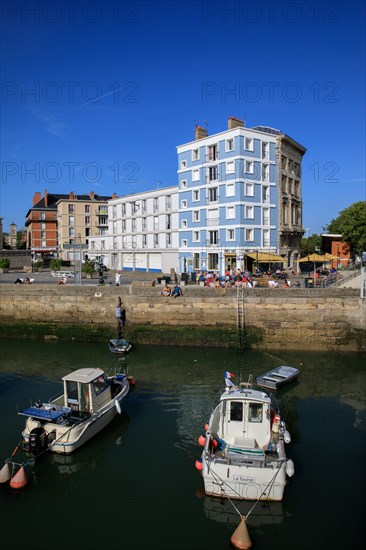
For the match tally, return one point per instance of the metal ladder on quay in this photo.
(240, 320)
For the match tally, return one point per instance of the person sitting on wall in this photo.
(165, 291)
(28, 281)
(177, 291)
(62, 281)
(18, 281)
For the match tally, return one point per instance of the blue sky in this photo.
(97, 95)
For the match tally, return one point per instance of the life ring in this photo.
(118, 406)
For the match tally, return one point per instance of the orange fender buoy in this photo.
(19, 480)
(5, 473)
(240, 538)
(202, 440)
(199, 464)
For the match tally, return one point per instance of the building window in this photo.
(266, 237)
(183, 164)
(102, 231)
(87, 208)
(184, 204)
(71, 220)
(249, 144)
(42, 215)
(43, 226)
(71, 232)
(183, 184)
(44, 243)
(123, 209)
(230, 190)
(168, 221)
(249, 189)
(230, 212)
(87, 220)
(144, 241)
(156, 240)
(249, 167)
(168, 202)
(87, 232)
(212, 152)
(144, 224)
(196, 260)
(123, 225)
(230, 167)
(213, 261)
(133, 225)
(196, 215)
(102, 244)
(266, 216)
(156, 223)
(184, 224)
(114, 211)
(103, 220)
(249, 234)
(43, 234)
(71, 208)
(265, 193)
(195, 154)
(213, 237)
(156, 204)
(195, 174)
(184, 243)
(213, 173)
(230, 234)
(143, 206)
(168, 240)
(229, 145)
(265, 150)
(195, 195)
(213, 195)
(265, 172)
(196, 236)
(249, 212)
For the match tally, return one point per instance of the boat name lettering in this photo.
(244, 479)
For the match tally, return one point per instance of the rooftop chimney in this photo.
(37, 197)
(200, 132)
(71, 196)
(46, 198)
(234, 123)
(92, 195)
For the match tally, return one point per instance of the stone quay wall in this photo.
(308, 319)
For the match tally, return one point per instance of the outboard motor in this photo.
(37, 441)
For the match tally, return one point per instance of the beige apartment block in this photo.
(80, 218)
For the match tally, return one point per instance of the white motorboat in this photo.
(243, 453)
(90, 400)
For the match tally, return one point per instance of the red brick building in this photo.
(333, 244)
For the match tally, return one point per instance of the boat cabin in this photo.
(86, 390)
(245, 417)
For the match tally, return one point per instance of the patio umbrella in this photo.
(313, 258)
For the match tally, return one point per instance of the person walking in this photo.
(118, 278)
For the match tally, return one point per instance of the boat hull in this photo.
(70, 435)
(245, 482)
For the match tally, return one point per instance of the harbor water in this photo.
(134, 486)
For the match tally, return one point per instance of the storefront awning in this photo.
(265, 257)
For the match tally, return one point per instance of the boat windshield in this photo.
(100, 384)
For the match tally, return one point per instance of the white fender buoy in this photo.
(287, 437)
(290, 467)
(118, 406)
(240, 538)
(5, 474)
(19, 480)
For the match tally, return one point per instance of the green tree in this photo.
(351, 224)
(55, 264)
(310, 244)
(88, 267)
(20, 244)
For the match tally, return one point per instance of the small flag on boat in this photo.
(228, 374)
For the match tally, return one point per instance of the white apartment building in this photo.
(142, 232)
